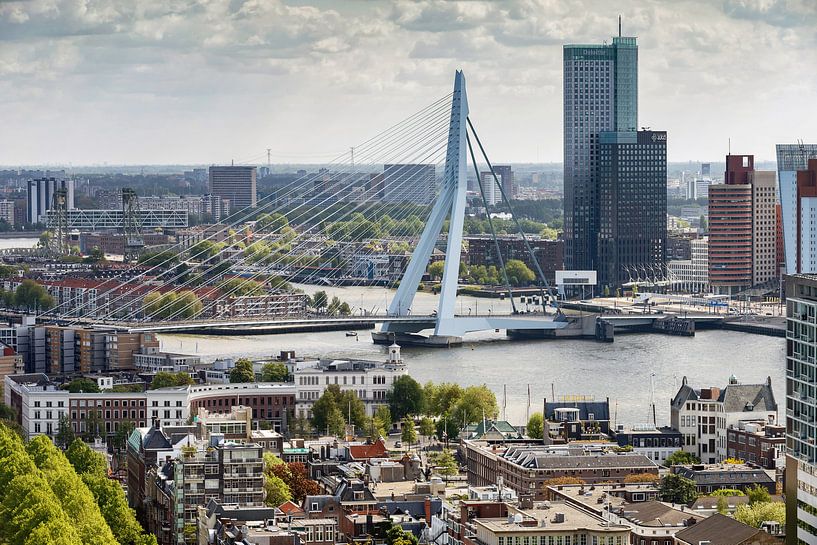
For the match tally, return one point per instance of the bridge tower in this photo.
(59, 239)
(131, 227)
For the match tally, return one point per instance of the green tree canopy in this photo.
(82, 385)
(756, 514)
(677, 489)
(427, 427)
(408, 434)
(345, 402)
(519, 274)
(383, 420)
(85, 460)
(406, 397)
(31, 295)
(758, 494)
(435, 270)
(165, 379)
(681, 458)
(536, 426)
(243, 371)
(274, 372)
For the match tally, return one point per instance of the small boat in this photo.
(351, 333)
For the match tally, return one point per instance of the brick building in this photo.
(549, 253)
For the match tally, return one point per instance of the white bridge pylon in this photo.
(451, 204)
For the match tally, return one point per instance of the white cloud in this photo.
(140, 81)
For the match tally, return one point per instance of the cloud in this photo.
(214, 76)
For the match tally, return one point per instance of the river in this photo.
(18, 242)
(620, 370)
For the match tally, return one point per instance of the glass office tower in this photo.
(600, 95)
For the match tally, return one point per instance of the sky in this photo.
(87, 82)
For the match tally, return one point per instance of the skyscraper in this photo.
(632, 206)
(801, 409)
(41, 196)
(505, 176)
(600, 95)
(792, 158)
(742, 227)
(236, 183)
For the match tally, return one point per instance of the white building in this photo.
(165, 362)
(703, 416)
(370, 380)
(691, 275)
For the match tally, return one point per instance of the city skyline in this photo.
(126, 83)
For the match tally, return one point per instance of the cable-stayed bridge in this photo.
(326, 212)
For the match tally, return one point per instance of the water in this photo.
(619, 370)
(22, 242)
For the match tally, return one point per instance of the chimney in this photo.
(428, 510)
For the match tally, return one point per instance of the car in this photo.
(398, 444)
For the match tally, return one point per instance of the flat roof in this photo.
(574, 519)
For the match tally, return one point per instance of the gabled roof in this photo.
(290, 508)
(599, 409)
(154, 439)
(738, 398)
(364, 452)
(717, 530)
(347, 489)
(492, 429)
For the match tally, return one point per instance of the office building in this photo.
(7, 211)
(600, 95)
(691, 275)
(803, 207)
(706, 170)
(632, 206)
(409, 183)
(41, 197)
(490, 189)
(792, 158)
(801, 408)
(236, 183)
(742, 227)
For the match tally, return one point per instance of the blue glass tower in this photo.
(600, 95)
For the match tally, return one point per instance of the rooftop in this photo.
(543, 518)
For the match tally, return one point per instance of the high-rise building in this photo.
(792, 158)
(409, 183)
(7, 211)
(706, 170)
(489, 187)
(236, 183)
(600, 95)
(742, 227)
(632, 206)
(801, 408)
(41, 196)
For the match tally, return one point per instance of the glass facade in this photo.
(632, 206)
(600, 94)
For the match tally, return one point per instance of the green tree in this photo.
(320, 300)
(727, 492)
(408, 434)
(274, 372)
(677, 489)
(82, 385)
(383, 420)
(435, 270)
(335, 423)
(427, 427)
(277, 491)
(65, 433)
(445, 464)
(240, 287)
(346, 402)
(120, 438)
(31, 295)
(242, 372)
(757, 513)
(703, 223)
(536, 425)
(477, 402)
(758, 494)
(85, 460)
(519, 274)
(441, 398)
(164, 259)
(397, 536)
(681, 458)
(164, 379)
(723, 505)
(406, 397)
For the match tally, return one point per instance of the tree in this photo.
(445, 464)
(677, 489)
(406, 397)
(758, 494)
(756, 514)
(397, 536)
(408, 433)
(427, 427)
(536, 426)
(441, 398)
(293, 474)
(563, 481)
(120, 438)
(722, 505)
(727, 492)
(435, 270)
(681, 458)
(274, 372)
(31, 295)
(518, 273)
(335, 423)
(382, 420)
(703, 223)
(164, 379)
(242, 372)
(642, 478)
(276, 490)
(82, 386)
(85, 460)
(320, 300)
(477, 402)
(65, 433)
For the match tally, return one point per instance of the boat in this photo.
(351, 333)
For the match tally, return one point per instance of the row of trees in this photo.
(179, 305)
(519, 274)
(320, 302)
(271, 372)
(48, 499)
